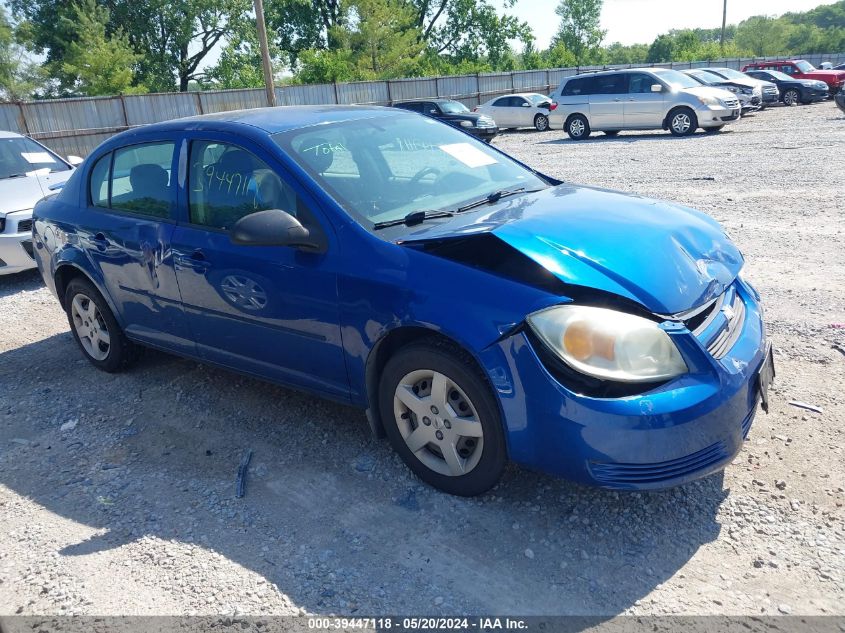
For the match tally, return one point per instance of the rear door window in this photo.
(136, 179)
(610, 84)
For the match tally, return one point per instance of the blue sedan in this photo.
(479, 311)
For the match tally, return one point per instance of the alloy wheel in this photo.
(790, 98)
(681, 123)
(90, 327)
(541, 123)
(438, 422)
(576, 127)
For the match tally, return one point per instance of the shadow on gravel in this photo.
(627, 137)
(13, 284)
(330, 516)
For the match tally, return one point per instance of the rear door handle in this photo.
(195, 261)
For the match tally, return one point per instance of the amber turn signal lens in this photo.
(582, 342)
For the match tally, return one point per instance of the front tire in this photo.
(577, 127)
(682, 122)
(442, 419)
(95, 329)
(791, 97)
(541, 123)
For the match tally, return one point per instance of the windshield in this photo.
(776, 74)
(535, 98)
(730, 73)
(382, 169)
(453, 107)
(805, 67)
(677, 80)
(20, 156)
(705, 78)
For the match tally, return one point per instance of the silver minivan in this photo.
(640, 99)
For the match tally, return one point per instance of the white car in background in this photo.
(28, 172)
(525, 109)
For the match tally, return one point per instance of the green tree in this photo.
(579, 29)
(96, 63)
(763, 35)
(173, 37)
(20, 77)
(239, 64)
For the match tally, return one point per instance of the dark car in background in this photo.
(840, 99)
(802, 69)
(793, 91)
(454, 113)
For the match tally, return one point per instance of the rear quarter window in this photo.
(580, 86)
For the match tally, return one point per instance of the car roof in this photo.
(277, 119)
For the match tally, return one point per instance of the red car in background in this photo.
(801, 69)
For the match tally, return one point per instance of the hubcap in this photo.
(542, 122)
(90, 327)
(790, 98)
(681, 123)
(576, 127)
(438, 422)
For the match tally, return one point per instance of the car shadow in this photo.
(631, 137)
(330, 516)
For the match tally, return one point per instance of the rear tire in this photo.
(682, 122)
(95, 329)
(541, 123)
(577, 127)
(442, 419)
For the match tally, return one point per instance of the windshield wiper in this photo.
(413, 218)
(493, 198)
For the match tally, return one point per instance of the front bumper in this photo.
(771, 97)
(16, 243)
(814, 94)
(484, 133)
(717, 116)
(678, 432)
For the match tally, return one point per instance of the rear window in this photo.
(578, 86)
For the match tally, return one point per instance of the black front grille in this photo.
(25, 226)
(27, 246)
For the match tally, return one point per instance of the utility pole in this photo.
(265, 53)
(724, 21)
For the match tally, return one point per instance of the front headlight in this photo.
(709, 101)
(608, 344)
(467, 124)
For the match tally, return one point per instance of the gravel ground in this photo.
(117, 492)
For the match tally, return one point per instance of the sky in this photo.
(640, 21)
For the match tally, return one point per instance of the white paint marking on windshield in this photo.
(468, 155)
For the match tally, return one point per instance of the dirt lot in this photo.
(117, 492)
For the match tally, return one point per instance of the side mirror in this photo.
(272, 228)
(656, 88)
(75, 160)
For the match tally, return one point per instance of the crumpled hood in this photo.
(17, 194)
(667, 257)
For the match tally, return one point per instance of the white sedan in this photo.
(28, 172)
(527, 109)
